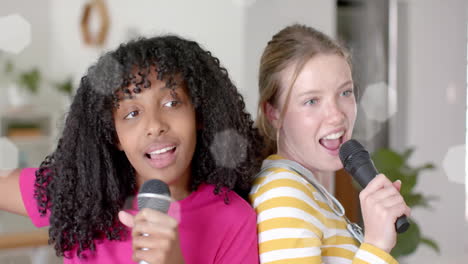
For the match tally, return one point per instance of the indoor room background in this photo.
(410, 63)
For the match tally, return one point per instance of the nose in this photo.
(156, 125)
(334, 113)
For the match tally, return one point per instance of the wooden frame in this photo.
(101, 35)
(37, 238)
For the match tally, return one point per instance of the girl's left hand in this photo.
(160, 244)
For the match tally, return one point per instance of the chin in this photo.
(335, 165)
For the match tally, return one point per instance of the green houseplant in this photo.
(395, 166)
(30, 80)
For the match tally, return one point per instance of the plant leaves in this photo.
(427, 166)
(416, 199)
(431, 243)
(407, 242)
(9, 67)
(407, 153)
(386, 159)
(394, 166)
(65, 86)
(408, 181)
(30, 80)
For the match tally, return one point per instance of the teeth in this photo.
(160, 151)
(335, 135)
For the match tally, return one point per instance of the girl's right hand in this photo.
(382, 204)
(160, 244)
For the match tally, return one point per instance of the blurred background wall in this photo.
(431, 65)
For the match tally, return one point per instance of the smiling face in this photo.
(320, 113)
(156, 129)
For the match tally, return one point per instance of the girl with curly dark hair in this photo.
(158, 108)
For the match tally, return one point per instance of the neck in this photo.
(178, 193)
(179, 189)
(323, 177)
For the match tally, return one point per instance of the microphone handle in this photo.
(361, 175)
(402, 224)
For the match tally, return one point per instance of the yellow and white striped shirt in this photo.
(295, 224)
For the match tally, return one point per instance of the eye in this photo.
(172, 103)
(347, 93)
(311, 101)
(132, 115)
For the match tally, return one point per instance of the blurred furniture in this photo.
(32, 132)
(27, 248)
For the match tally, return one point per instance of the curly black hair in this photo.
(85, 181)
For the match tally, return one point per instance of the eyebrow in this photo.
(309, 92)
(175, 86)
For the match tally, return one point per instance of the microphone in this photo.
(357, 162)
(154, 194)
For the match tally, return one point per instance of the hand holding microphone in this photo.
(383, 207)
(155, 234)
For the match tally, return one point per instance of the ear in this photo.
(272, 114)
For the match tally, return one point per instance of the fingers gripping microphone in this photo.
(357, 162)
(154, 194)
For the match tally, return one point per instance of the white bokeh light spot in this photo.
(9, 154)
(16, 33)
(229, 149)
(454, 164)
(106, 75)
(379, 102)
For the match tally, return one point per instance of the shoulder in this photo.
(28, 172)
(27, 179)
(275, 174)
(279, 176)
(278, 181)
(27, 187)
(279, 193)
(226, 203)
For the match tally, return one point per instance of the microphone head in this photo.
(155, 186)
(353, 155)
(154, 194)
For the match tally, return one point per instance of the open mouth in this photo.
(332, 142)
(162, 158)
(160, 153)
